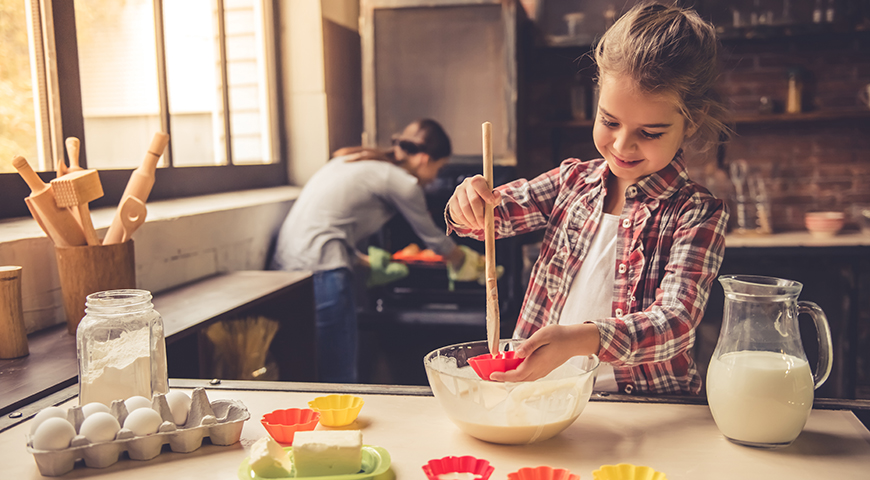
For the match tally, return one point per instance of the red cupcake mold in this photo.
(485, 364)
(282, 425)
(542, 473)
(465, 464)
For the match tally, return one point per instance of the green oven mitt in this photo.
(473, 268)
(383, 270)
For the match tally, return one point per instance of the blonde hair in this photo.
(669, 51)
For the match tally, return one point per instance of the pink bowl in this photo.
(824, 223)
(480, 468)
(282, 425)
(542, 473)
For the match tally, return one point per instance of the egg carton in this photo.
(221, 421)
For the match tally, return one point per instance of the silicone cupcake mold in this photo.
(465, 464)
(337, 410)
(627, 471)
(282, 425)
(221, 421)
(542, 473)
(485, 364)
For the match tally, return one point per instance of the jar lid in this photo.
(9, 271)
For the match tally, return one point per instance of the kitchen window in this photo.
(113, 73)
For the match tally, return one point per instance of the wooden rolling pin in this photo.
(139, 185)
(493, 326)
(59, 223)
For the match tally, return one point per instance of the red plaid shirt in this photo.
(669, 247)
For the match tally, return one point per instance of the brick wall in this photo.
(820, 163)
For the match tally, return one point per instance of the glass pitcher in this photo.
(759, 383)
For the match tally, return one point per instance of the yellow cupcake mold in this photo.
(627, 471)
(337, 410)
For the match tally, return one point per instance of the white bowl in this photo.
(508, 413)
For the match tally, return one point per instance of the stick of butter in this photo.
(327, 452)
(269, 460)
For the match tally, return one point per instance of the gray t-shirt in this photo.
(345, 203)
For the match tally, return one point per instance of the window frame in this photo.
(171, 182)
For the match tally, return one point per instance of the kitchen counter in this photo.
(796, 239)
(680, 440)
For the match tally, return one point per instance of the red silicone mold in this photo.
(542, 473)
(465, 464)
(282, 425)
(485, 364)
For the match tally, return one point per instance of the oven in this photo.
(402, 321)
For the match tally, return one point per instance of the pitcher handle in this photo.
(823, 369)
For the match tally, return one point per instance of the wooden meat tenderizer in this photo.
(59, 223)
(139, 185)
(72, 151)
(77, 189)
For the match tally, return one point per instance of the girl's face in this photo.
(637, 133)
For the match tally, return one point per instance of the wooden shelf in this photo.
(52, 364)
(821, 115)
(746, 119)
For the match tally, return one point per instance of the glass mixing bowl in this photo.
(504, 412)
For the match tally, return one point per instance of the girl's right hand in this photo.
(466, 206)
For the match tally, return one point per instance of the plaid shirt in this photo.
(669, 248)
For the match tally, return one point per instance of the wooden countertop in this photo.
(680, 440)
(796, 239)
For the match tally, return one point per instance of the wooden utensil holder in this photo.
(89, 269)
(13, 336)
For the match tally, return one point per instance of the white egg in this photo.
(179, 405)
(54, 433)
(100, 427)
(136, 402)
(143, 421)
(93, 408)
(45, 414)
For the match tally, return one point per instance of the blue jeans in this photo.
(336, 326)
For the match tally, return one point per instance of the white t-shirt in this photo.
(591, 294)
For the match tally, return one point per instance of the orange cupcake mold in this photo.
(282, 425)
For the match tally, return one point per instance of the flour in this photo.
(117, 369)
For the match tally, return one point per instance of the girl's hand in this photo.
(549, 348)
(466, 206)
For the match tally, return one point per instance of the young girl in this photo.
(631, 245)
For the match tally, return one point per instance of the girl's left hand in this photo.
(548, 348)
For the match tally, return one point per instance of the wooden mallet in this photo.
(77, 189)
(59, 223)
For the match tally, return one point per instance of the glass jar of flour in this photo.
(121, 348)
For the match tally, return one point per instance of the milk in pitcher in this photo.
(760, 397)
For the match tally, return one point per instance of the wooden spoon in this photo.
(132, 212)
(493, 326)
